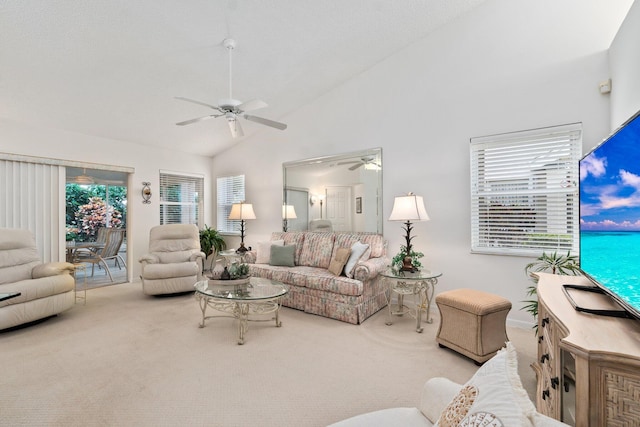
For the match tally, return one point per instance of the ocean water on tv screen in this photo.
(613, 259)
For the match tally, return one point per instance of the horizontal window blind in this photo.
(181, 198)
(524, 191)
(230, 190)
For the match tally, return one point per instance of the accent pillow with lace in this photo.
(494, 396)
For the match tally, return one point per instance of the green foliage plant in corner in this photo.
(554, 263)
(211, 242)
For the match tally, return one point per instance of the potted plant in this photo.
(398, 261)
(548, 263)
(211, 242)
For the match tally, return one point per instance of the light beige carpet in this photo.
(127, 359)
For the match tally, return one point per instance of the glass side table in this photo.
(420, 284)
(79, 267)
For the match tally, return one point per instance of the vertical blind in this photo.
(181, 198)
(230, 190)
(32, 198)
(524, 191)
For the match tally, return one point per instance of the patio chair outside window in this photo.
(113, 242)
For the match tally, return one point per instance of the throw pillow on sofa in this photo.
(339, 261)
(358, 253)
(263, 250)
(282, 255)
(494, 394)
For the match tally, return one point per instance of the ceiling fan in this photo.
(231, 108)
(84, 179)
(362, 162)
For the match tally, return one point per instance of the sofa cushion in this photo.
(168, 271)
(339, 260)
(52, 269)
(358, 253)
(317, 250)
(495, 393)
(33, 289)
(282, 255)
(376, 243)
(18, 255)
(263, 250)
(291, 238)
(174, 257)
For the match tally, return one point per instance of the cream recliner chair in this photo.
(46, 289)
(174, 261)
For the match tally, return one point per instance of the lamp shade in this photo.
(288, 212)
(242, 211)
(408, 208)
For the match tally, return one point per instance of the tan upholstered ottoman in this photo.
(472, 322)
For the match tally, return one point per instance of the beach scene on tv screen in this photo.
(610, 213)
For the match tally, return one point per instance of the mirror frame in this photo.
(328, 161)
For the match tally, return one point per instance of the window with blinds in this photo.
(524, 191)
(230, 190)
(181, 198)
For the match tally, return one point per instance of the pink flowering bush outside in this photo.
(93, 215)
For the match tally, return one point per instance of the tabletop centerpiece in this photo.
(235, 274)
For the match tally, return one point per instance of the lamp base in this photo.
(241, 249)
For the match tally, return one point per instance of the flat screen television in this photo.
(610, 216)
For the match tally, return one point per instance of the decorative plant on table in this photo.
(238, 270)
(398, 261)
(211, 242)
(554, 263)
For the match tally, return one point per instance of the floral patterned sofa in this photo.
(314, 289)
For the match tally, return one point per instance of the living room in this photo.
(502, 66)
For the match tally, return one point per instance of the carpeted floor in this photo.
(127, 359)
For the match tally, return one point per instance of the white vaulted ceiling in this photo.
(112, 68)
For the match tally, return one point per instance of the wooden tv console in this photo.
(588, 367)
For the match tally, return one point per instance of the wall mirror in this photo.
(338, 193)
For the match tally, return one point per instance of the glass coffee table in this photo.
(256, 296)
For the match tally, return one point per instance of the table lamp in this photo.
(408, 208)
(288, 212)
(242, 211)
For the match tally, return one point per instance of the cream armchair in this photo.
(174, 262)
(46, 289)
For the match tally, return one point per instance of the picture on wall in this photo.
(358, 205)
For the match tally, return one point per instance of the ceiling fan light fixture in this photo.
(232, 108)
(84, 179)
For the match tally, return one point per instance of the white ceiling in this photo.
(112, 68)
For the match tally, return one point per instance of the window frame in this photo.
(230, 189)
(524, 191)
(192, 206)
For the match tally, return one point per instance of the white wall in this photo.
(624, 59)
(53, 143)
(505, 66)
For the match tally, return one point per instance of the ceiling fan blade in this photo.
(199, 119)
(199, 103)
(356, 166)
(267, 122)
(346, 163)
(236, 129)
(254, 104)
